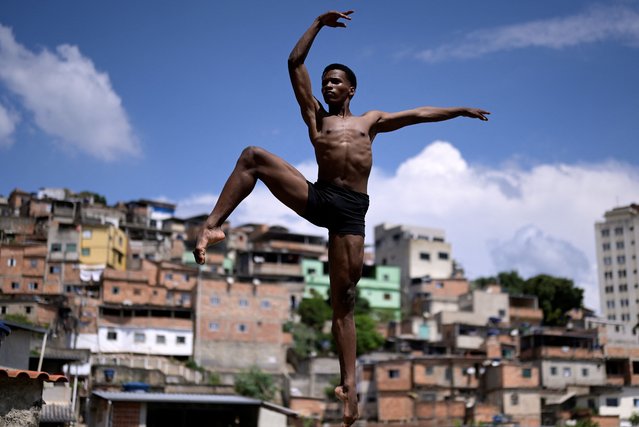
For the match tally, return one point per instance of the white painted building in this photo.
(151, 341)
(616, 239)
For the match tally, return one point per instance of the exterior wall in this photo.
(402, 245)
(395, 407)
(63, 241)
(240, 325)
(486, 304)
(106, 245)
(617, 252)
(570, 372)
(511, 376)
(126, 414)
(19, 402)
(144, 340)
(393, 376)
(628, 402)
(36, 312)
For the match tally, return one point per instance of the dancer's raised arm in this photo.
(300, 79)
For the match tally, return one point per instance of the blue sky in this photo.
(153, 99)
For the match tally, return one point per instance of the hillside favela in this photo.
(106, 320)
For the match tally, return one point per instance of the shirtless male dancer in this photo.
(338, 200)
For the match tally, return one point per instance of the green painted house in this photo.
(379, 285)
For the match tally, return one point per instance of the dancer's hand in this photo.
(476, 113)
(330, 19)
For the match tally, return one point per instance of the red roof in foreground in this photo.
(34, 375)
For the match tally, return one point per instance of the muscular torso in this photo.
(343, 151)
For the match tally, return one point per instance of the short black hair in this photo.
(349, 73)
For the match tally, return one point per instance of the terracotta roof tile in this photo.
(34, 375)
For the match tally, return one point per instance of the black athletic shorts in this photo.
(339, 209)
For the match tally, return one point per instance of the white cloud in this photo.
(593, 25)
(539, 220)
(8, 121)
(68, 98)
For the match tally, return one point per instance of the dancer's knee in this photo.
(345, 297)
(252, 156)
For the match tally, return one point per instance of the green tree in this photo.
(368, 339)
(256, 384)
(314, 312)
(634, 419)
(305, 340)
(556, 296)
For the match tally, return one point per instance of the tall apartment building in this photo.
(616, 239)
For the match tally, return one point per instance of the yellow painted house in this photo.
(103, 244)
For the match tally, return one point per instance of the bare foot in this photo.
(208, 236)
(348, 396)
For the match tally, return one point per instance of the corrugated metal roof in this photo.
(56, 413)
(220, 399)
(34, 375)
(123, 396)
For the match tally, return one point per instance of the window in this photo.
(621, 259)
(619, 245)
(28, 309)
(605, 232)
(448, 374)
(33, 286)
(266, 304)
(180, 339)
(33, 263)
(502, 312)
(86, 252)
(553, 370)
(244, 302)
(56, 247)
(606, 246)
(584, 372)
(168, 276)
(3, 310)
(215, 300)
(621, 273)
(115, 290)
(526, 373)
(608, 275)
(112, 336)
(612, 401)
(387, 297)
(429, 370)
(242, 328)
(139, 337)
(72, 247)
(214, 326)
(514, 399)
(424, 256)
(567, 372)
(618, 231)
(137, 292)
(442, 255)
(610, 304)
(635, 403)
(54, 269)
(607, 260)
(87, 234)
(11, 262)
(393, 373)
(160, 339)
(15, 285)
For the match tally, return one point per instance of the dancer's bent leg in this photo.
(285, 182)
